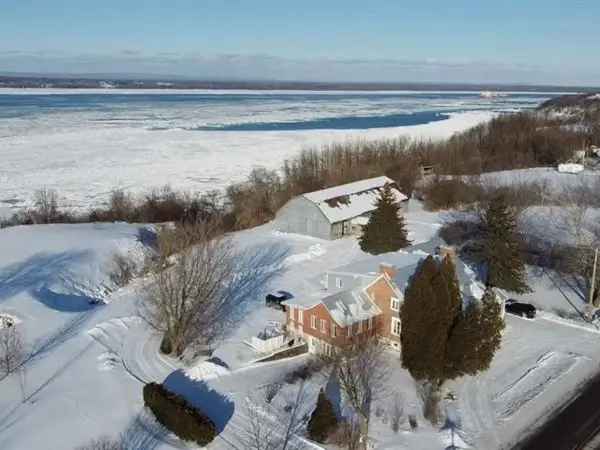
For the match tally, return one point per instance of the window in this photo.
(323, 326)
(300, 314)
(333, 330)
(395, 304)
(395, 326)
(338, 283)
(313, 322)
(359, 327)
(370, 323)
(349, 330)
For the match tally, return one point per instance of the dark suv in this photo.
(520, 309)
(274, 299)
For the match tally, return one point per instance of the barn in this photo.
(334, 212)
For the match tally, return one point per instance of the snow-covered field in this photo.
(88, 362)
(549, 178)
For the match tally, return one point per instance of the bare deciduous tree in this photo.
(46, 206)
(11, 349)
(362, 372)
(201, 284)
(271, 428)
(585, 234)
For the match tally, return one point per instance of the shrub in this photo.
(460, 231)
(396, 413)
(305, 371)
(450, 193)
(103, 443)
(122, 269)
(323, 421)
(177, 415)
(271, 390)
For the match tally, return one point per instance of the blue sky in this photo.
(528, 41)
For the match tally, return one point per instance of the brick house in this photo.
(359, 300)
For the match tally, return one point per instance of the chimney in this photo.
(444, 251)
(387, 269)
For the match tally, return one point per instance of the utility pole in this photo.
(592, 288)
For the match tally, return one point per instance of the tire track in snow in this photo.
(135, 346)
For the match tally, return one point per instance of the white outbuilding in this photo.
(334, 212)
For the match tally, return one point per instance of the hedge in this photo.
(178, 416)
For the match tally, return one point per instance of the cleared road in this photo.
(576, 427)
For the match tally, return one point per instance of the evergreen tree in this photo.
(323, 420)
(385, 231)
(501, 248)
(476, 337)
(431, 304)
(492, 325)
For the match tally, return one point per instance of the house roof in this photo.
(348, 307)
(351, 200)
(345, 307)
(405, 262)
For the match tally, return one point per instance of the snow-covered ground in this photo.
(88, 362)
(551, 179)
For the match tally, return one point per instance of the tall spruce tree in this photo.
(385, 231)
(501, 248)
(476, 337)
(431, 305)
(323, 421)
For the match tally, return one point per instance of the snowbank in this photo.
(570, 168)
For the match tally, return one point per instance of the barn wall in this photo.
(304, 217)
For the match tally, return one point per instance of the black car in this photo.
(520, 309)
(274, 299)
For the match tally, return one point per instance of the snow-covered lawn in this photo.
(89, 361)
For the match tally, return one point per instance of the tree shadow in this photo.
(36, 271)
(218, 407)
(561, 284)
(49, 342)
(147, 237)
(334, 394)
(64, 302)
(253, 270)
(143, 433)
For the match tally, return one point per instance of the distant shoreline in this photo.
(232, 91)
(155, 82)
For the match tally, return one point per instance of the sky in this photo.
(473, 41)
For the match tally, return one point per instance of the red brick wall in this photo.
(321, 313)
(381, 292)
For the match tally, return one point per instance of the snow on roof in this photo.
(402, 258)
(351, 200)
(348, 307)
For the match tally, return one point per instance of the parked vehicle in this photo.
(274, 299)
(520, 309)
